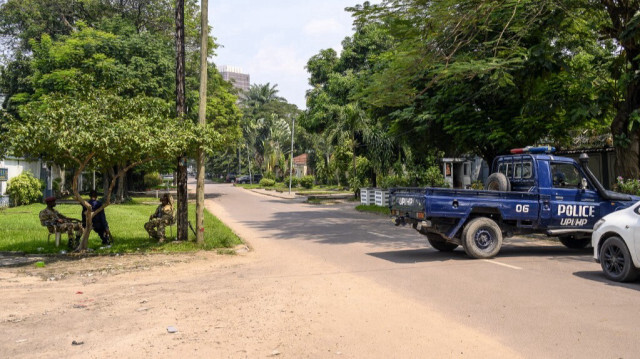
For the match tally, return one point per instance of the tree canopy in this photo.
(99, 97)
(482, 76)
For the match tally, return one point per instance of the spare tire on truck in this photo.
(497, 182)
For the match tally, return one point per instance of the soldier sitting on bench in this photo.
(57, 222)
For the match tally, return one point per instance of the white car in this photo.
(616, 244)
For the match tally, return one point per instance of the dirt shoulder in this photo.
(270, 302)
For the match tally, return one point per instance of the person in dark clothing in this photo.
(99, 221)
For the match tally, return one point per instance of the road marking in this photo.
(502, 264)
(380, 235)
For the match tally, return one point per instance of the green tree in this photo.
(63, 128)
(266, 126)
(333, 109)
(87, 109)
(484, 76)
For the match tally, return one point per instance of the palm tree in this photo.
(258, 95)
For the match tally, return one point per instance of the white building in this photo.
(12, 167)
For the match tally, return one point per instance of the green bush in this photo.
(295, 181)
(629, 186)
(24, 189)
(307, 181)
(152, 179)
(267, 182)
(393, 181)
(433, 177)
(477, 185)
(269, 175)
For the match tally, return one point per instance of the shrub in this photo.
(152, 179)
(307, 181)
(269, 175)
(24, 189)
(295, 181)
(393, 181)
(477, 185)
(629, 186)
(267, 182)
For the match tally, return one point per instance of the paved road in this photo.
(537, 298)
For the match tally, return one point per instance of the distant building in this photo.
(300, 167)
(234, 75)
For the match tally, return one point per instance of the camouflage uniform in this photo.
(49, 216)
(162, 217)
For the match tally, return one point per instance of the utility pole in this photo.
(293, 129)
(202, 116)
(249, 165)
(181, 171)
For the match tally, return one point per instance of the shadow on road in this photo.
(17, 260)
(212, 195)
(341, 224)
(428, 254)
(333, 224)
(425, 255)
(598, 276)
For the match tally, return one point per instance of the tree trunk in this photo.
(105, 182)
(181, 172)
(121, 184)
(624, 127)
(627, 145)
(202, 114)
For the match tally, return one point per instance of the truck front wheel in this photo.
(575, 243)
(481, 238)
(439, 243)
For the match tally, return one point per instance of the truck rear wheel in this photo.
(481, 238)
(497, 182)
(439, 243)
(575, 243)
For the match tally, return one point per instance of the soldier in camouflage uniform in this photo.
(162, 217)
(56, 222)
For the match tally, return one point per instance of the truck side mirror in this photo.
(583, 184)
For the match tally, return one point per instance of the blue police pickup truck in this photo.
(526, 193)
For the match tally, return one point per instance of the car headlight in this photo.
(598, 224)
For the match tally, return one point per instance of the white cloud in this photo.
(278, 59)
(320, 27)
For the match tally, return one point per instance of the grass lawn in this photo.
(20, 230)
(374, 209)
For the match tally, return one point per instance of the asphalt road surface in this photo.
(536, 299)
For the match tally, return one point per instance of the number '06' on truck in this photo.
(526, 193)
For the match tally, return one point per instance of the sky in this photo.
(273, 40)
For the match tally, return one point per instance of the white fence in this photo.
(377, 196)
(382, 197)
(367, 195)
